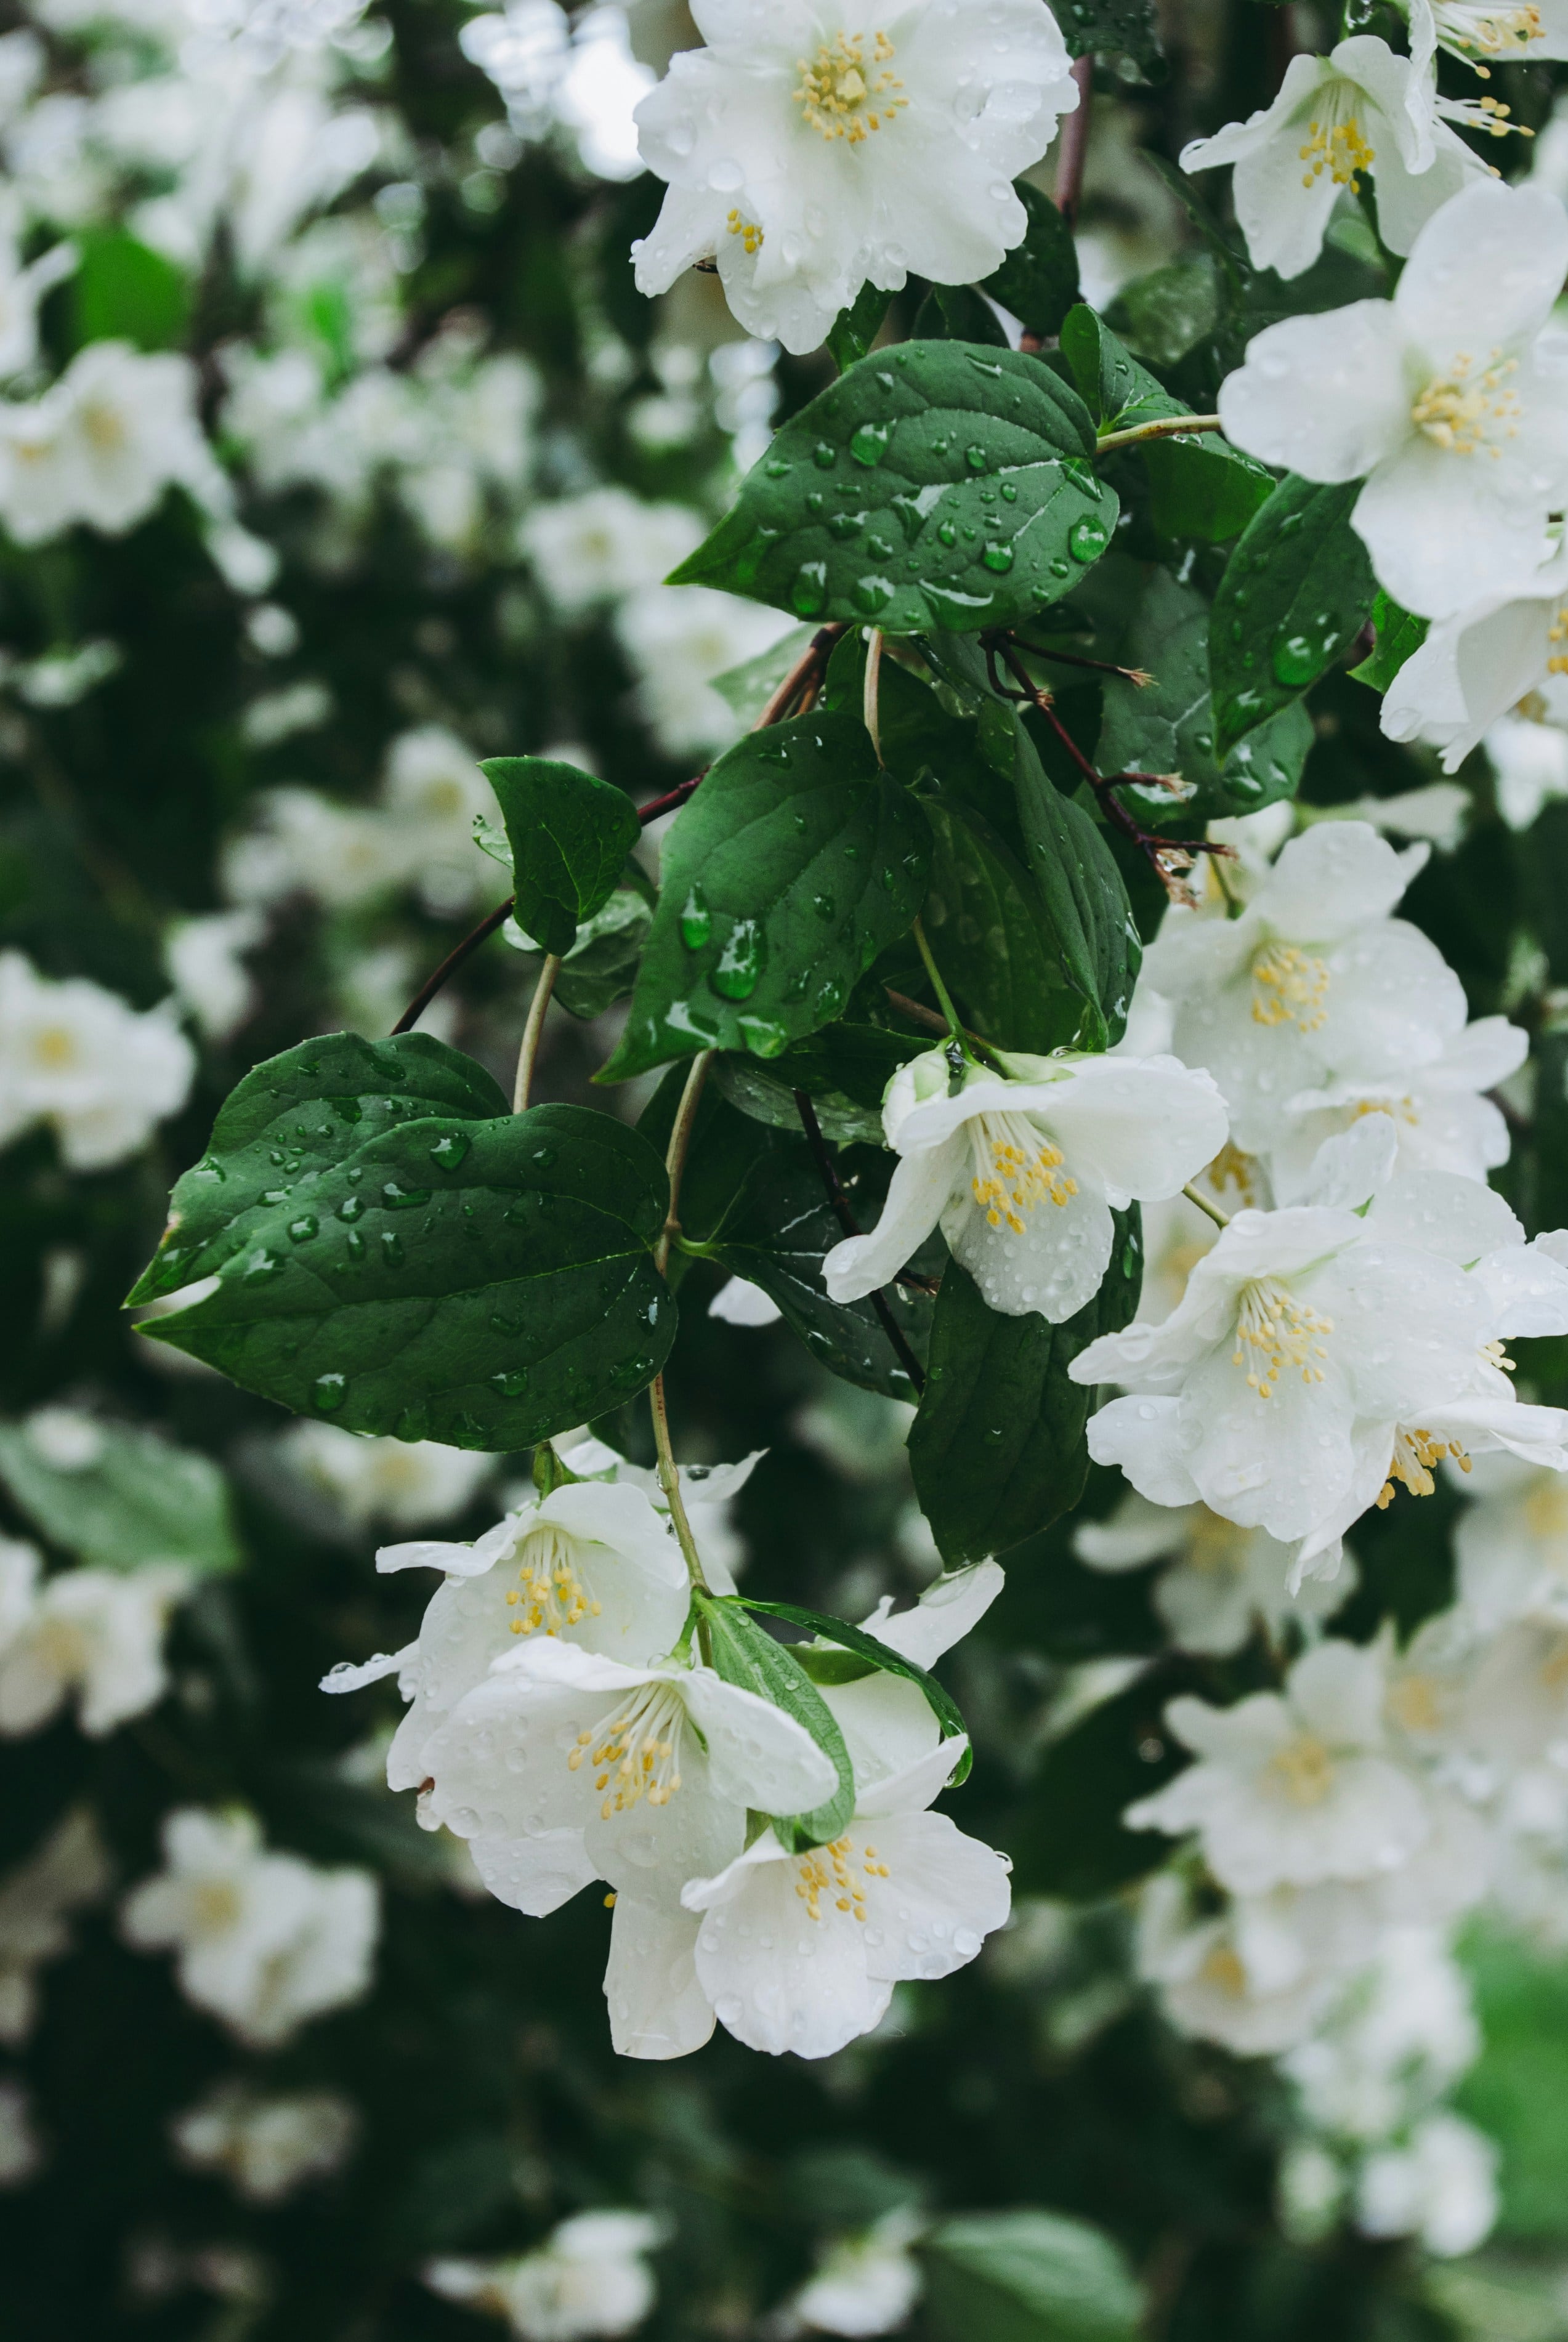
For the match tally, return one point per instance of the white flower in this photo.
(1359, 110)
(21, 2148)
(564, 1765)
(816, 144)
(1401, 2031)
(94, 1633)
(263, 1941)
(1516, 1706)
(1477, 666)
(304, 844)
(678, 638)
(1314, 980)
(1230, 1977)
(862, 2285)
(708, 1492)
(595, 547)
(1439, 398)
(739, 1302)
(267, 2146)
(117, 429)
(69, 1871)
(1528, 752)
(589, 2278)
(410, 1483)
(1292, 1788)
(1319, 1356)
(1022, 1173)
(800, 1952)
(1222, 1581)
(1512, 1542)
(76, 1057)
(205, 958)
(1508, 31)
(1442, 1119)
(432, 793)
(596, 1564)
(1440, 2186)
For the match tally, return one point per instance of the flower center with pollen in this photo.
(1495, 32)
(750, 234)
(1016, 1167)
(550, 1593)
(1275, 1330)
(1304, 1769)
(637, 1754)
(1415, 1454)
(830, 1870)
(843, 94)
(1469, 408)
(1335, 142)
(1289, 987)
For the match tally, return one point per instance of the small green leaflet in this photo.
(1038, 281)
(1168, 725)
(484, 1284)
(942, 1703)
(118, 1498)
(1296, 592)
(854, 330)
(935, 483)
(570, 835)
(602, 965)
(795, 863)
(1028, 2276)
(1399, 636)
(997, 1448)
(298, 1114)
(745, 1653)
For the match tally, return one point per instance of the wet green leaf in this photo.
(570, 835)
(1296, 592)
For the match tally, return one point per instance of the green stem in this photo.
(531, 1032)
(670, 1481)
(1165, 426)
(669, 1477)
(1221, 1219)
(943, 994)
(873, 689)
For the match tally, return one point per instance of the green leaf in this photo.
(1296, 592)
(936, 484)
(854, 330)
(795, 863)
(1200, 486)
(133, 1498)
(602, 965)
(747, 688)
(844, 1071)
(1028, 2276)
(1400, 635)
(997, 1448)
(957, 313)
(1168, 725)
(485, 1284)
(1089, 920)
(1038, 281)
(1161, 316)
(1127, 28)
(298, 1114)
(570, 835)
(745, 1653)
(991, 935)
(124, 291)
(1070, 1840)
(846, 1638)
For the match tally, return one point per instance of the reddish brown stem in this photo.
(1075, 144)
(450, 966)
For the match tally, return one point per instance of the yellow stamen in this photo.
(1340, 150)
(1468, 408)
(1305, 1767)
(748, 231)
(1017, 1169)
(1289, 987)
(1416, 1455)
(843, 96)
(1275, 1330)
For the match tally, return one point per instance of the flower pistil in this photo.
(843, 96)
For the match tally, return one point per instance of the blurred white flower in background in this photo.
(1222, 1582)
(204, 958)
(1439, 2185)
(406, 1483)
(263, 1941)
(98, 1072)
(678, 638)
(266, 2146)
(102, 446)
(69, 1872)
(597, 546)
(94, 1635)
(590, 2277)
(863, 2285)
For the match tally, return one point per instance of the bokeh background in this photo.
(337, 451)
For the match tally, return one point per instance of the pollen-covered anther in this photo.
(1470, 407)
(1275, 1330)
(1289, 987)
(1494, 32)
(825, 1870)
(1416, 1455)
(750, 234)
(637, 1754)
(550, 1594)
(841, 92)
(1018, 1169)
(1340, 150)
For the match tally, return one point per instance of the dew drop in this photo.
(696, 921)
(450, 1150)
(998, 557)
(808, 594)
(740, 965)
(976, 458)
(329, 1391)
(869, 444)
(1295, 661)
(1087, 538)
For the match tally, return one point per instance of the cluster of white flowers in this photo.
(590, 2276)
(74, 1057)
(409, 1484)
(563, 1724)
(263, 1941)
(266, 2146)
(94, 1635)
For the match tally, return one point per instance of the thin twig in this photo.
(1221, 1219)
(1138, 676)
(450, 966)
(1074, 142)
(805, 673)
(873, 687)
(670, 800)
(843, 1211)
(670, 1482)
(935, 1023)
(1165, 426)
(676, 1152)
(531, 1032)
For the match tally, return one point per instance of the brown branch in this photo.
(450, 966)
(844, 1212)
(1068, 185)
